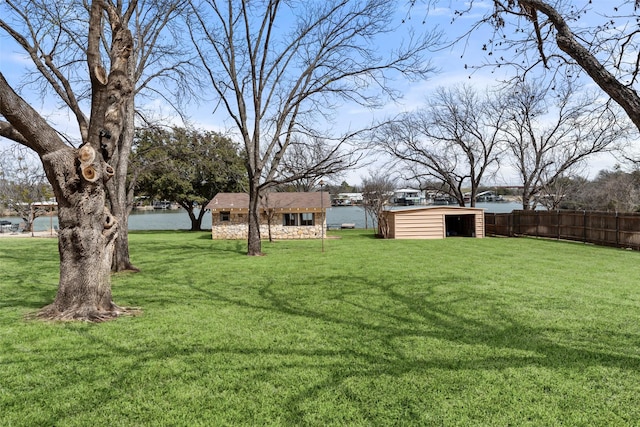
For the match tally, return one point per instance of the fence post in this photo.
(617, 230)
(558, 223)
(584, 226)
(487, 223)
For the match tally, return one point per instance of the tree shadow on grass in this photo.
(180, 250)
(504, 341)
(25, 277)
(362, 331)
(27, 294)
(426, 316)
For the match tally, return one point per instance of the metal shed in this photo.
(435, 222)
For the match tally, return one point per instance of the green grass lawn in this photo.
(465, 332)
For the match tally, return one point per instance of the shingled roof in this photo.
(273, 200)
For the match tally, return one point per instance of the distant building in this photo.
(288, 215)
(347, 199)
(409, 197)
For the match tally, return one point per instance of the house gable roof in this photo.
(272, 200)
(226, 201)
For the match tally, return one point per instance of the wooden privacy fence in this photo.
(600, 228)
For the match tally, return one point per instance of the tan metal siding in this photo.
(417, 225)
(480, 224)
(429, 223)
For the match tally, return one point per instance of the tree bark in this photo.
(120, 198)
(254, 242)
(85, 241)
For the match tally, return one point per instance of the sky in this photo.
(450, 63)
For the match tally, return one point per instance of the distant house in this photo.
(484, 196)
(288, 215)
(347, 199)
(409, 197)
(435, 222)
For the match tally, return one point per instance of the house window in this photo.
(289, 219)
(225, 216)
(306, 218)
(293, 219)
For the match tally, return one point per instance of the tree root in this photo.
(83, 314)
(127, 268)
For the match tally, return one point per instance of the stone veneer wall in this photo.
(239, 231)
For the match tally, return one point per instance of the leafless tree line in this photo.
(613, 190)
(462, 138)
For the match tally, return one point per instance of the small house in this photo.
(282, 215)
(435, 222)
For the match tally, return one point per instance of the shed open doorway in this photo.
(460, 225)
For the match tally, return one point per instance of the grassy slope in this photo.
(372, 332)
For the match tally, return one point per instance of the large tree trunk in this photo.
(87, 229)
(196, 220)
(86, 237)
(526, 199)
(254, 243)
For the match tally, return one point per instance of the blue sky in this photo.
(450, 62)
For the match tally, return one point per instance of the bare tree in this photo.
(269, 211)
(560, 194)
(616, 81)
(303, 157)
(280, 69)
(78, 176)
(611, 190)
(54, 35)
(377, 189)
(454, 141)
(551, 132)
(23, 184)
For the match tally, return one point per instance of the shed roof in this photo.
(433, 208)
(272, 200)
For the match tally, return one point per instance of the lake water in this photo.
(179, 220)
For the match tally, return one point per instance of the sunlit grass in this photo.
(370, 332)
